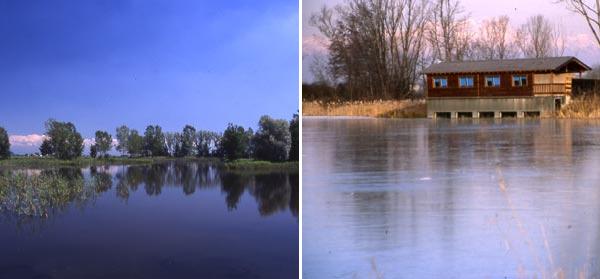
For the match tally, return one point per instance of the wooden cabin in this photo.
(500, 88)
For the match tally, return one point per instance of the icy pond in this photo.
(422, 198)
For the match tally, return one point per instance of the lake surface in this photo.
(171, 220)
(451, 198)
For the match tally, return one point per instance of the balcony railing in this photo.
(552, 88)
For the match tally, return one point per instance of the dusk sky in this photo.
(579, 39)
(100, 64)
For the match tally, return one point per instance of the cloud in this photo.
(89, 142)
(27, 140)
(314, 44)
(35, 140)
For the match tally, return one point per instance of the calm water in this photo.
(451, 199)
(174, 220)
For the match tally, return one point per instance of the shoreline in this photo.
(584, 107)
(377, 109)
(17, 162)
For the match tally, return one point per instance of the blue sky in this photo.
(104, 63)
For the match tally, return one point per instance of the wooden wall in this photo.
(479, 89)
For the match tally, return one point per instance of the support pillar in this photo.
(497, 114)
(453, 114)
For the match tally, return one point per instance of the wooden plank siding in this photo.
(506, 89)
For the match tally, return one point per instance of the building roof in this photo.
(549, 64)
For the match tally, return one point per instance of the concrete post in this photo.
(475, 114)
(497, 114)
(453, 114)
(520, 114)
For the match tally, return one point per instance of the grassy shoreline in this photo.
(48, 162)
(255, 165)
(382, 109)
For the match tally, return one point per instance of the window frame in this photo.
(433, 79)
(472, 78)
(520, 80)
(493, 76)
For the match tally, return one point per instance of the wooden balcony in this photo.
(552, 88)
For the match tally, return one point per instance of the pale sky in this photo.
(580, 41)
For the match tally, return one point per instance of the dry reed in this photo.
(584, 107)
(387, 109)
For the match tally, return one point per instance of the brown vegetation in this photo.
(585, 106)
(387, 109)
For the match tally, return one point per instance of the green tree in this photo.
(46, 147)
(234, 143)
(177, 148)
(135, 143)
(206, 142)
(250, 146)
(123, 138)
(294, 148)
(272, 141)
(93, 151)
(103, 142)
(217, 150)
(154, 141)
(4, 144)
(66, 142)
(188, 137)
(170, 143)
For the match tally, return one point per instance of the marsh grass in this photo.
(37, 195)
(381, 108)
(584, 107)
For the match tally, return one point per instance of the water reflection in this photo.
(41, 194)
(173, 220)
(464, 199)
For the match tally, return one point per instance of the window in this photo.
(465, 81)
(520, 80)
(492, 81)
(440, 82)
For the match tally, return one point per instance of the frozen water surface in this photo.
(422, 198)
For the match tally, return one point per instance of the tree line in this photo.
(377, 49)
(276, 140)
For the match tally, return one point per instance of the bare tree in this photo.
(493, 41)
(536, 38)
(558, 41)
(594, 73)
(590, 12)
(448, 32)
(321, 71)
(374, 46)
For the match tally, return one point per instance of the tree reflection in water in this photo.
(34, 194)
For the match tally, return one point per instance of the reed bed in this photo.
(38, 194)
(380, 108)
(584, 107)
